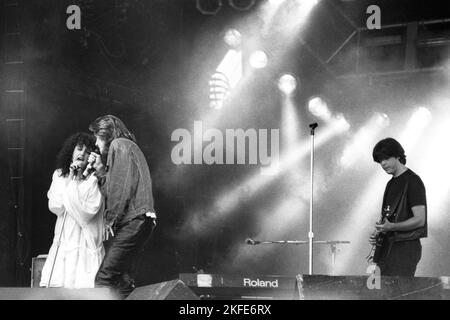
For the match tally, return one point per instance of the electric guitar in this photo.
(382, 242)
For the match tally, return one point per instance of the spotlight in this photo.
(287, 84)
(304, 8)
(319, 108)
(341, 122)
(226, 77)
(423, 113)
(219, 89)
(308, 3)
(363, 140)
(258, 59)
(382, 119)
(233, 38)
(414, 127)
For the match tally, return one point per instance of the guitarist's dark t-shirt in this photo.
(415, 194)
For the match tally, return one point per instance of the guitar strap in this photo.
(401, 199)
(398, 200)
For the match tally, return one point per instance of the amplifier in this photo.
(37, 263)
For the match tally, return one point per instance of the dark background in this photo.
(148, 62)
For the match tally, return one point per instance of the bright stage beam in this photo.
(305, 7)
(362, 142)
(267, 13)
(290, 123)
(275, 224)
(230, 199)
(224, 80)
(295, 14)
(413, 131)
(285, 16)
(358, 225)
(435, 178)
(437, 185)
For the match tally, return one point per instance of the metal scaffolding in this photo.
(14, 98)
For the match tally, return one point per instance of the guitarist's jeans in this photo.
(402, 259)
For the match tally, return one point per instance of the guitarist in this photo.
(404, 213)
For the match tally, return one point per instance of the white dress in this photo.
(81, 249)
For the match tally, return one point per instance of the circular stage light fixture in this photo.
(258, 59)
(319, 108)
(382, 119)
(233, 38)
(423, 113)
(287, 84)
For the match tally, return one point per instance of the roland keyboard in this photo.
(218, 286)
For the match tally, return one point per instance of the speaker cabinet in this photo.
(37, 264)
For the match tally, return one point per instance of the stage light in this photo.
(414, 127)
(319, 108)
(226, 77)
(420, 117)
(307, 5)
(423, 113)
(231, 198)
(289, 123)
(363, 140)
(231, 67)
(341, 122)
(287, 84)
(267, 13)
(382, 120)
(301, 9)
(258, 59)
(233, 38)
(219, 89)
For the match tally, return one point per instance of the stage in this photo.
(258, 121)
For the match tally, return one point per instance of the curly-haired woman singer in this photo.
(74, 197)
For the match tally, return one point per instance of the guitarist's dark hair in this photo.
(388, 148)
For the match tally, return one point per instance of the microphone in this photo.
(89, 169)
(313, 125)
(250, 241)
